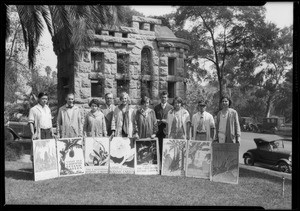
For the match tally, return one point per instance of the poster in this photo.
(174, 155)
(122, 153)
(96, 155)
(44, 159)
(70, 156)
(198, 159)
(225, 163)
(146, 157)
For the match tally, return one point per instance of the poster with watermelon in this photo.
(96, 154)
(225, 163)
(122, 153)
(147, 157)
(174, 155)
(70, 156)
(44, 159)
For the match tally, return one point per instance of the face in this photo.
(124, 100)
(177, 105)
(164, 99)
(146, 105)
(43, 100)
(201, 108)
(109, 99)
(225, 103)
(70, 100)
(94, 107)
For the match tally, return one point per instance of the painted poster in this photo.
(122, 153)
(44, 159)
(70, 156)
(174, 155)
(146, 157)
(96, 154)
(198, 159)
(225, 163)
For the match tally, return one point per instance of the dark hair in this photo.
(178, 99)
(164, 93)
(144, 100)
(226, 97)
(42, 94)
(94, 101)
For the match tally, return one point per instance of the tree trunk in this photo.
(269, 106)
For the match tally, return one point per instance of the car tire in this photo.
(284, 167)
(248, 160)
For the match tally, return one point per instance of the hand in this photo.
(113, 134)
(136, 136)
(164, 121)
(54, 136)
(34, 136)
(153, 136)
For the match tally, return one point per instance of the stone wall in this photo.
(109, 42)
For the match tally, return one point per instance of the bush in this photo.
(13, 151)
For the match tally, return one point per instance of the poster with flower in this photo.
(96, 154)
(70, 156)
(198, 159)
(44, 159)
(225, 163)
(122, 153)
(147, 157)
(174, 155)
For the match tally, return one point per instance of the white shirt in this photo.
(163, 105)
(40, 116)
(208, 123)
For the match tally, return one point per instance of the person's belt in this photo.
(45, 129)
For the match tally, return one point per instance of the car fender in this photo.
(248, 153)
(16, 136)
(284, 160)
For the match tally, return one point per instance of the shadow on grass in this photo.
(23, 174)
(245, 173)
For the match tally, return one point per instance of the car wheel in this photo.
(248, 160)
(284, 167)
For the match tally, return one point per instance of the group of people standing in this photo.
(164, 121)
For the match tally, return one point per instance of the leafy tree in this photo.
(69, 22)
(222, 31)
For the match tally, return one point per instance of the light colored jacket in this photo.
(94, 124)
(128, 123)
(233, 129)
(184, 120)
(69, 126)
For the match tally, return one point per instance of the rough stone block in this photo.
(110, 58)
(86, 56)
(118, 34)
(84, 67)
(146, 26)
(172, 49)
(86, 83)
(117, 45)
(163, 71)
(109, 83)
(106, 33)
(135, 60)
(135, 25)
(163, 61)
(161, 48)
(104, 44)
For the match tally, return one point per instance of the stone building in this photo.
(144, 58)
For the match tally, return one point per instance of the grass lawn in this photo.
(254, 189)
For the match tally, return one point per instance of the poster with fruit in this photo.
(174, 155)
(122, 153)
(96, 154)
(225, 163)
(147, 157)
(198, 159)
(44, 159)
(70, 156)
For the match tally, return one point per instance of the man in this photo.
(69, 122)
(203, 124)
(40, 119)
(108, 111)
(161, 112)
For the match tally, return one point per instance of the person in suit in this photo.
(69, 121)
(161, 111)
(108, 111)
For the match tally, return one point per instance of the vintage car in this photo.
(277, 153)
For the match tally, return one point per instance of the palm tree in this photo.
(70, 22)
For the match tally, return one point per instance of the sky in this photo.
(280, 13)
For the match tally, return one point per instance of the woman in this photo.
(227, 123)
(178, 121)
(145, 120)
(124, 117)
(94, 123)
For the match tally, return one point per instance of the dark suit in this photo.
(161, 114)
